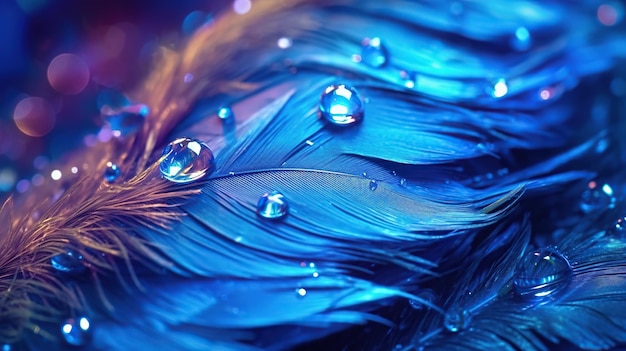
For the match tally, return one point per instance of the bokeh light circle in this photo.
(34, 116)
(68, 74)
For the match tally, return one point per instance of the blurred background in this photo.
(63, 61)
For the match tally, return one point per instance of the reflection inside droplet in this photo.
(186, 160)
(111, 172)
(541, 273)
(272, 205)
(341, 105)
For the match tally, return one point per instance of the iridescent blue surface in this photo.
(341, 105)
(272, 205)
(541, 273)
(76, 331)
(186, 160)
(373, 52)
(68, 262)
(111, 172)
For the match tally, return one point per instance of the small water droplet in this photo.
(310, 143)
(409, 79)
(188, 78)
(403, 181)
(284, 43)
(126, 120)
(301, 292)
(597, 197)
(68, 262)
(499, 88)
(620, 225)
(373, 185)
(373, 52)
(272, 205)
(341, 105)
(456, 319)
(541, 273)
(111, 172)
(225, 113)
(185, 160)
(315, 274)
(521, 40)
(427, 296)
(76, 331)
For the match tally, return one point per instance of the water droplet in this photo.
(403, 181)
(341, 105)
(195, 20)
(68, 262)
(188, 78)
(112, 172)
(272, 205)
(126, 120)
(456, 319)
(409, 79)
(76, 331)
(185, 160)
(225, 113)
(597, 197)
(284, 43)
(427, 296)
(373, 185)
(521, 41)
(373, 52)
(541, 273)
(620, 225)
(301, 292)
(500, 88)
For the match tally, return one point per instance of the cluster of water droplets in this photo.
(596, 197)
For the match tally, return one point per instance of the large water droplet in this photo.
(456, 319)
(541, 273)
(76, 331)
(126, 120)
(341, 105)
(272, 206)
(597, 197)
(68, 262)
(186, 160)
(112, 172)
(373, 52)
